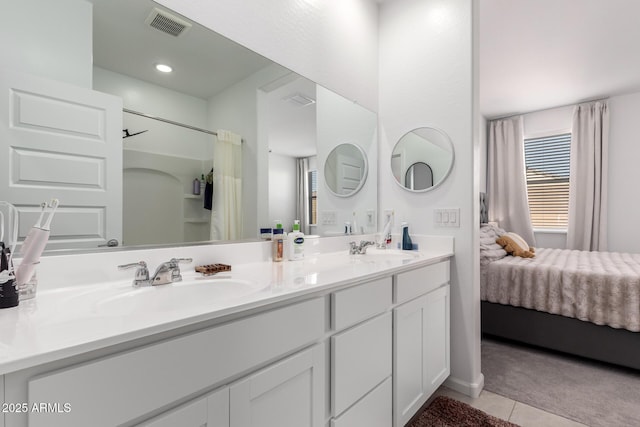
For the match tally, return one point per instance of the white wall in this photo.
(161, 138)
(333, 43)
(427, 79)
(624, 156)
(49, 39)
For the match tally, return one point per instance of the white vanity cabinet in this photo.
(125, 387)
(288, 393)
(361, 355)
(421, 338)
(358, 354)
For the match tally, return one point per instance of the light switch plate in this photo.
(449, 217)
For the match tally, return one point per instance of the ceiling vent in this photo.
(299, 100)
(167, 23)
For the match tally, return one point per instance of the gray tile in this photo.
(528, 416)
(491, 403)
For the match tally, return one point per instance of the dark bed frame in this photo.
(573, 336)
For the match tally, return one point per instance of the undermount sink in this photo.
(194, 294)
(391, 253)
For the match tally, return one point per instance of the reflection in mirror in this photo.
(345, 170)
(419, 176)
(282, 120)
(422, 159)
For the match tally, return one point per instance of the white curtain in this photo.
(588, 177)
(302, 193)
(506, 178)
(226, 215)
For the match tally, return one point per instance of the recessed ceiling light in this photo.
(164, 68)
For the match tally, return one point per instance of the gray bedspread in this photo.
(598, 287)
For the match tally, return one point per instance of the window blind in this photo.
(547, 163)
(313, 197)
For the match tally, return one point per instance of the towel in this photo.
(208, 191)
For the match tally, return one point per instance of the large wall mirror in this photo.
(283, 125)
(422, 159)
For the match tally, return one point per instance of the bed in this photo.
(579, 302)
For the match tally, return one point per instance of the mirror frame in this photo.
(364, 175)
(445, 139)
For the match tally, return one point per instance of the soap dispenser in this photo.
(278, 242)
(407, 245)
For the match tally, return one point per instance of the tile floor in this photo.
(510, 410)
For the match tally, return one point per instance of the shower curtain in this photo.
(226, 218)
(302, 193)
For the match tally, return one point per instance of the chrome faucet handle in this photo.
(364, 244)
(169, 272)
(353, 248)
(176, 276)
(142, 273)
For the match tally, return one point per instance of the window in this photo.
(313, 197)
(547, 163)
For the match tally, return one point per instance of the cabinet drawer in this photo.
(420, 281)
(372, 411)
(359, 303)
(360, 359)
(129, 385)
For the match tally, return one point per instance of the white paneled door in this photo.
(62, 141)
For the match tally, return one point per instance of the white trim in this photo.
(469, 389)
(549, 231)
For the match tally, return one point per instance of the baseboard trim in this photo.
(469, 389)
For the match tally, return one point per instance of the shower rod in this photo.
(171, 122)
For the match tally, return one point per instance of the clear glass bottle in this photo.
(278, 244)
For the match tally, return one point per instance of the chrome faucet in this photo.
(167, 272)
(360, 249)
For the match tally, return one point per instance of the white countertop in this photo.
(67, 321)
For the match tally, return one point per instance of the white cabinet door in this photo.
(289, 393)
(421, 351)
(437, 361)
(63, 141)
(192, 414)
(207, 411)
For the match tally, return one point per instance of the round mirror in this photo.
(422, 159)
(345, 170)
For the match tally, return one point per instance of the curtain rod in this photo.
(545, 109)
(171, 122)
